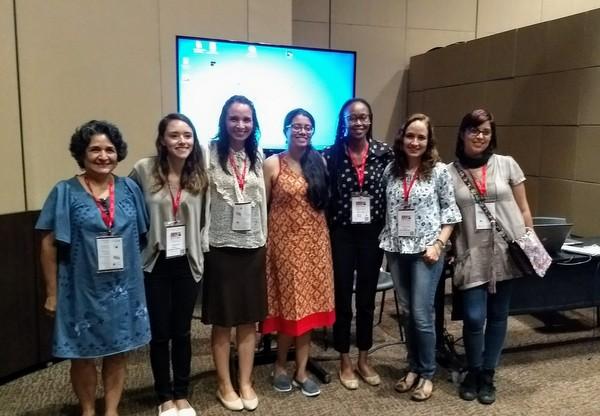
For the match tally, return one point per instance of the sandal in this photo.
(407, 382)
(423, 391)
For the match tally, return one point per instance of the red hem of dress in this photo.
(299, 327)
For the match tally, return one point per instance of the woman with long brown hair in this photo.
(420, 215)
(175, 184)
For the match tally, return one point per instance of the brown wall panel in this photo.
(586, 200)
(19, 309)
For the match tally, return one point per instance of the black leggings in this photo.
(171, 293)
(355, 247)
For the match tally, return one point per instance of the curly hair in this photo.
(222, 137)
(429, 158)
(80, 140)
(193, 176)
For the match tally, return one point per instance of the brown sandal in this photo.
(407, 382)
(423, 390)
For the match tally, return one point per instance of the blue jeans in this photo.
(415, 282)
(483, 348)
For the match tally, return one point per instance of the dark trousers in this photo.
(171, 293)
(355, 248)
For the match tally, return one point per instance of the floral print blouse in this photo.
(434, 205)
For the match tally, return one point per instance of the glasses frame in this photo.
(298, 128)
(475, 131)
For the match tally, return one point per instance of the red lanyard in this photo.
(175, 201)
(360, 169)
(481, 185)
(108, 215)
(240, 177)
(408, 187)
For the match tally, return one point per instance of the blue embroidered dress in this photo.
(97, 314)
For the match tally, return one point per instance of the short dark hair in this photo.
(80, 140)
(341, 125)
(222, 138)
(474, 119)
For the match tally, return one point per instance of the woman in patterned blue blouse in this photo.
(421, 213)
(92, 227)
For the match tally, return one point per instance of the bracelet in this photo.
(441, 243)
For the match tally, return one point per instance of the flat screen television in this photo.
(276, 79)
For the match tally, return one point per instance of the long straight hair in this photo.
(311, 162)
(222, 137)
(194, 178)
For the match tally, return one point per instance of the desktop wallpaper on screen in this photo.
(276, 78)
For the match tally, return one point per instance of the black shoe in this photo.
(487, 391)
(469, 387)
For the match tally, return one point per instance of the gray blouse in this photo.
(225, 193)
(434, 205)
(481, 255)
(193, 212)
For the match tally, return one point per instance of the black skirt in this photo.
(234, 286)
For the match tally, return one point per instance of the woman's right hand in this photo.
(50, 306)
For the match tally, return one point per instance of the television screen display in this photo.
(276, 78)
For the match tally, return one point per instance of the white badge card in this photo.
(174, 240)
(407, 224)
(110, 253)
(242, 217)
(481, 220)
(361, 210)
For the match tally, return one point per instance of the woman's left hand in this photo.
(432, 254)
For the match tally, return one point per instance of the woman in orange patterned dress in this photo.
(299, 269)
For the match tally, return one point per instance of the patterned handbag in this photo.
(527, 251)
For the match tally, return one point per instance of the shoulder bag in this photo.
(527, 252)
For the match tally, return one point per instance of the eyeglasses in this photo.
(297, 128)
(355, 118)
(474, 131)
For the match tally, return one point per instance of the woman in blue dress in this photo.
(92, 229)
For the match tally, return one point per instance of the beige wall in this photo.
(386, 33)
(545, 94)
(11, 167)
(541, 81)
(114, 60)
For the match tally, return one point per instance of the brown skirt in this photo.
(234, 286)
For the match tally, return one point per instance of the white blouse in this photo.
(225, 193)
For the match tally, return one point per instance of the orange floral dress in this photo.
(299, 269)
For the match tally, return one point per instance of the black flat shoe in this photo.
(487, 390)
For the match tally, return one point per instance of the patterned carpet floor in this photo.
(550, 368)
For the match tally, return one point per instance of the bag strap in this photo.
(481, 202)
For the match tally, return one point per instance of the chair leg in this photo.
(400, 327)
(381, 307)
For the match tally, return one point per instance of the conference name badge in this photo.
(109, 249)
(174, 239)
(406, 222)
(242, 217)
(481, 220)
(361, 209)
